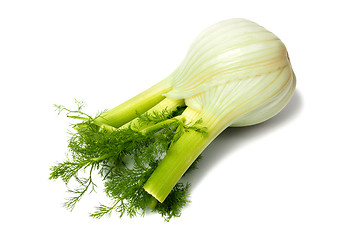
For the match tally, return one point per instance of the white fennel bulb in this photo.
(236, 70)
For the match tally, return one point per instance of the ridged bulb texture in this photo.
(236, 71)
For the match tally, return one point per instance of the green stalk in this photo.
(152, 204)
(182, 154)
(139, 104)
(168, 104)
(162, 124)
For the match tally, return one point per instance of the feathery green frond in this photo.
(125, 159)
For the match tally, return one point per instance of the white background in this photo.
(297, 176)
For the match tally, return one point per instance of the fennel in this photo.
(236, 73)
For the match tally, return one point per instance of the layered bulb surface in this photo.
(235, 69)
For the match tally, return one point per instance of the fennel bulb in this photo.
(236, 73)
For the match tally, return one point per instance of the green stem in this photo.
(182, 154)
(162, 124)
(106, 127)
(153, 202)
(99, 158)
(168, 104)
(139, 104)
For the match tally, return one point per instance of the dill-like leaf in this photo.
(125, 159)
